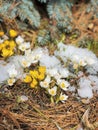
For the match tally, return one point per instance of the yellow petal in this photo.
(6, 52)
(34, 73)
(42, 69)
(1, 33)
(34, 83)
(41, 76)
(12, 44)
(1, 46)
(27, 79)
(13, 33)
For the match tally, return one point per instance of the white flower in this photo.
(25, 62)
(12, 71)
(45, 83)
(24, 46)
(28, 52)
(63, 97)
(19, 40)
(53, 91)
(11, 81)
(63, 84)
(31, 57)
(36, 58)
(82, 63)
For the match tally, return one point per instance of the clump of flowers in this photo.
(55, 88)
(12, 44)
(7, 47)
(35, 76)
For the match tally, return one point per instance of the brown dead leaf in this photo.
(86, 122)
(85, 101)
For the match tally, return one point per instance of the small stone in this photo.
(23, 98)
(91, 26)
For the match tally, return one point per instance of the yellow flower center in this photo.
(63, 85)
(45, 84)
(11, 81)
(23, 48)
(52, 92)
(75, 66)
(62, 97)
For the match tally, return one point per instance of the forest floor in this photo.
(36, 113)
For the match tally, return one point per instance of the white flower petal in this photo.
(53, 91)
(19, 40)
(63, 97)
(45, 83)
(63, 84)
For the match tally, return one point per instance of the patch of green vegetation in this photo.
(89, 43)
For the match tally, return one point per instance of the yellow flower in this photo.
(1, 46)
(27, 79)
(33, 83)
(9, 44)
(6, 43)
(41, 76)
(42, 69)
(6, 52)
(13, 33)
(1, 33)
(34, 73)
(12, 44)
